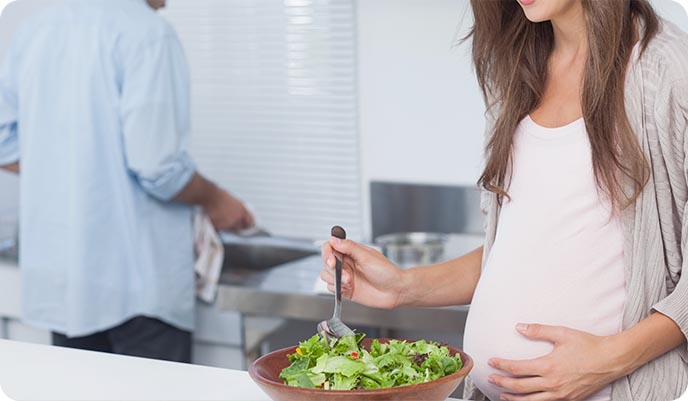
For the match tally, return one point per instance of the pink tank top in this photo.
(557, 258)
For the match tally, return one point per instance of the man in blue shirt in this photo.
(94, 115)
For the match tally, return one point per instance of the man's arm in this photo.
(156, 128)
(12, 168)
(224, 210)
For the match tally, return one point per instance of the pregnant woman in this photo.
(578, 292)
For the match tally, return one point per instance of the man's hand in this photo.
(227, 212)
(13, 168)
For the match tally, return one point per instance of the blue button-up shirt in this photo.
(94, 103)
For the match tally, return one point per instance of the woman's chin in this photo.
(536, 10)
(535, 16)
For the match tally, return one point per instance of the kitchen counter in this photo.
(38, 372)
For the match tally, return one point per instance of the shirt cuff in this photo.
(9, 146)
(171, 180)
(675, 307)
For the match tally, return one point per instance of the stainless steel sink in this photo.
(261, 253)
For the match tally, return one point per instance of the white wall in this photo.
(4, 3)
(676, 12)
(420, 110)
(421, 113)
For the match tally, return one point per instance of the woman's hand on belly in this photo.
(579, 366)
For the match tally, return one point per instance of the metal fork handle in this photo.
(340, 233)
(338, 289)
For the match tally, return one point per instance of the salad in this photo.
(342, 364)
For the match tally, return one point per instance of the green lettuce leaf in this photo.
(342, 364)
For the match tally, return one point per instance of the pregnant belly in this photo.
(514, 293)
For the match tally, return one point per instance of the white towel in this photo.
(210, 254)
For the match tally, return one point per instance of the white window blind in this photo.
(275, 107)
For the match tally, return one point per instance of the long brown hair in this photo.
(511, 55)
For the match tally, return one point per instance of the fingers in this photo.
(346, 279)
(552, 334)
(346, 247)
(521, 385)
(529, 367)
(249, 219)
(327, 276)
(327, 255)
(241, 223)
(246, 219)
(244, 223)
(329, 260)
(346, 292)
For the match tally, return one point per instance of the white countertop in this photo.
(39, 372)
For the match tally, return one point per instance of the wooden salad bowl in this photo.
(265, 372)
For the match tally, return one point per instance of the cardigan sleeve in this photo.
(672, 110)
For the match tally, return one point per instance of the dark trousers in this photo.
(141, 336)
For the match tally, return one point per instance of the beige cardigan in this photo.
(656, 227)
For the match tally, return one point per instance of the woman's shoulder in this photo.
(667, 53)
(664, 87)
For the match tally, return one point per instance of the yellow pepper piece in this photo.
(298, 351)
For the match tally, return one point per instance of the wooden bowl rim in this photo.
(466, 360)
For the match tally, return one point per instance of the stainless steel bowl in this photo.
(412, 249)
